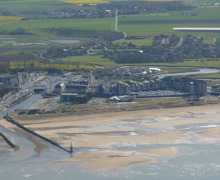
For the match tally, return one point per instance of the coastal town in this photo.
(79, 88)
(109, 89)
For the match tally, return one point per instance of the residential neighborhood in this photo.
(80, 88)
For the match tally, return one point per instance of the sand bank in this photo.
(210, 133)
(168, 128)
(164, 152)
(4, 148)
(106, 160)
(106, 141)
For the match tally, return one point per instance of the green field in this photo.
(157, 24)
(143, 25)
(98, 60)
(197, 2)
(202, 14)
(156, 30)
(20, 5)
(212, 63)
(40, 26)
(137, 25)
(191, 64)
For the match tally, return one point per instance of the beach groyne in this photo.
(7, 140)
(11, 120)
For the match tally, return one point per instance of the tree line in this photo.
(137, 7)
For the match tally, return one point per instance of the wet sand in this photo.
(210, 133)
(4, 148)
(39, 147)
(109, 133)
(106, 160)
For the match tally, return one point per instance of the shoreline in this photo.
(84, 109)
(111, 114)
(125, 138)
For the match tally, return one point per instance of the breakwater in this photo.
(7, 140)
(11, 120)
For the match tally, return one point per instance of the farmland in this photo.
(155, 24)
(40, 32)
(212, 63)
(101, 1)
(90, 60)
(40, 26)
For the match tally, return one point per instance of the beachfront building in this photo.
(59, 88)
(73, 98)
(73, 88)
(186, 84)
(113, 88)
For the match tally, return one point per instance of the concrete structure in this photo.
(11, 81)
(184, 85)
(59, 88)
(73, 98)
(72, 88)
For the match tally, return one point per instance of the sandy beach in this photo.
(124, 138)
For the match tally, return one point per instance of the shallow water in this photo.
(196, 158)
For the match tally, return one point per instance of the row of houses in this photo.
(73, 91)
(79, 87)
(17, 80)
(186, 84)
(182, 84)
(78, 91)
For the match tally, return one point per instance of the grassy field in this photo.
(208, 76)
(202, 14)
(212, 63)
(39, 26)
(178, 70)
(190, 2)
(105, 1)
(20, 5)
(190, 64)
(197, 2)
(142, 27)
(163, 23)
(167, 29)
(98, 60)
